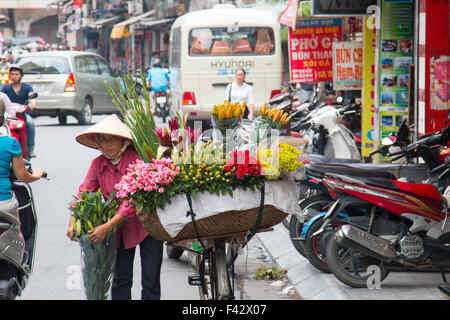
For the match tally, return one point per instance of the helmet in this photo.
(157, 62)
(17, 68)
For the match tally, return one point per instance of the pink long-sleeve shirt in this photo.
(103, 175)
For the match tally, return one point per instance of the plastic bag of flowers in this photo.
(269, 123)
(226, 120)
(280, 162)
(97, 259)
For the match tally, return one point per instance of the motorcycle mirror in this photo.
(34, 95)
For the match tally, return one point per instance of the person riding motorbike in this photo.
(158, 80)
(19, 92)
(11, 154)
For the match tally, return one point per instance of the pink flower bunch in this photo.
(147, 177)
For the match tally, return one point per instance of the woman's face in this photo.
(240, 76)
(110, 144)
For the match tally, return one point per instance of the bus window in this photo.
(201, 41)
(218, 41)
(264, 43)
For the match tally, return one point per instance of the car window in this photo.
(103, 66)
(92, 65)
(81, 64)
(44, 65)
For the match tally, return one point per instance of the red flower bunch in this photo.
(243, 165)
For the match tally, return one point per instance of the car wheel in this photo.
(85, 115)
(62, 118)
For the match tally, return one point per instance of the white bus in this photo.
(207, 46)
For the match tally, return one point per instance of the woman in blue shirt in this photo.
(11, 153)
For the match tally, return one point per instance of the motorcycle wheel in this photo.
(7, 294)
(315, 246)
(351, 266)
(316, 202)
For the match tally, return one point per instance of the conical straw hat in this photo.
(110, 125)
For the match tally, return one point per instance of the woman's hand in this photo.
(98, 233)
(70, 232)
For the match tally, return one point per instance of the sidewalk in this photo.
(311, 284)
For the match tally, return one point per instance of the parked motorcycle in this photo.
(406, 225)
(317, 200)
(323, 127)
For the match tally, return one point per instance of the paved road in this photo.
(57, 264)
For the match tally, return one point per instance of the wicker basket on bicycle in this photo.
(228, 221)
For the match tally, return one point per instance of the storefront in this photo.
(395, 51)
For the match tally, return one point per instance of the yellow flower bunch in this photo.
(228, 110)
(269, 163)
(277, 161)
(288, 158)
(276, 118)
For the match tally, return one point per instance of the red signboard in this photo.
(436, 92)
(311, 49)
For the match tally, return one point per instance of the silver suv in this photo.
(69, 83)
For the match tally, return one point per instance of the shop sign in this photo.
(342, 8)
(347, 65)
(395, 57)
(311, 49)
(368, 91)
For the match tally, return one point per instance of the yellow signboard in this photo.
(368, 91)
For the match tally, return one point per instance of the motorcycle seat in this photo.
(414, 173)
(377, 178)
(318, 158)
(348, 170)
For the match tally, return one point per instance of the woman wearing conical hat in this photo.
(113, 139)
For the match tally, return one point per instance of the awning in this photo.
(120, 30)
(152, 23)
(103, 22)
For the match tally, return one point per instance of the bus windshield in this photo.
(231, 41)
